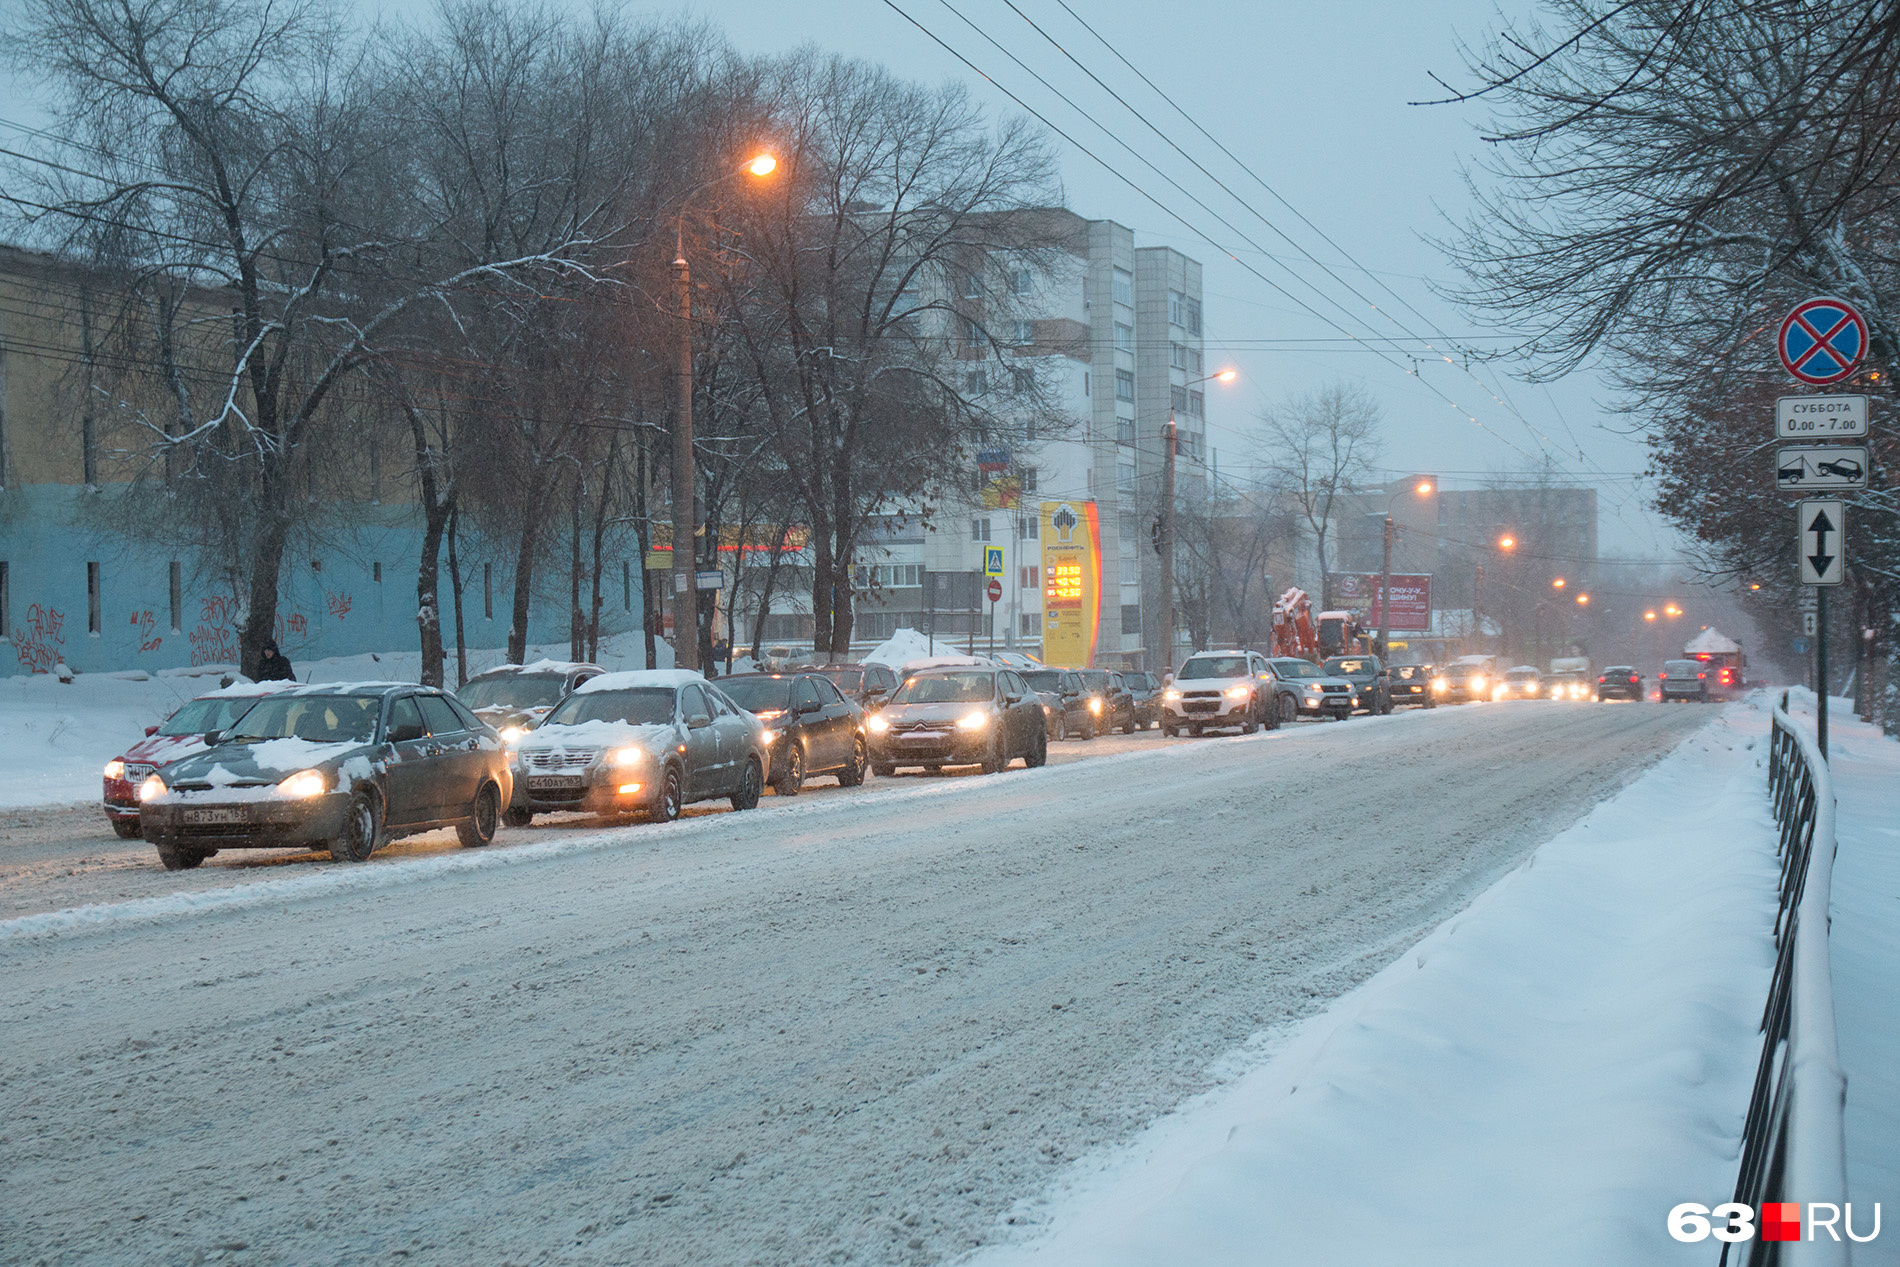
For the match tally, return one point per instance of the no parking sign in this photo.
(1822, 341)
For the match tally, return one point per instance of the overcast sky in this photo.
(1314, 99)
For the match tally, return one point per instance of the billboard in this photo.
(1358, 593)
(1071, 583)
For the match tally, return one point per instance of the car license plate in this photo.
(922, 736)
(231, 814)
(552, 782)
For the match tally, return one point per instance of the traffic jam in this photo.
(345, 768)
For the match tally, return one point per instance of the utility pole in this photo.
(1385, 591)
(1477, 612)
(685, 563)
(1168, 444)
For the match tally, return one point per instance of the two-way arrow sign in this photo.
(1822, 526)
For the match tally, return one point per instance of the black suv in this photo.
(1118, 706)
(810, 727)
(1065, 700)
(1369, 679)
(1145, 690)
(1411, 684)
(1619, 681)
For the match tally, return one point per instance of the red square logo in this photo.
(1781, 1221)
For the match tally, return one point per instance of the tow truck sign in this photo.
(1821, 468)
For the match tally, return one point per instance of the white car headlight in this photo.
(1170, 694)
(303, 785)
(1237, 692)
(115, 769)
(768, 737)
(876, 724)
(1095, 706)
(626, 756)
(511, 735)
(152, 788)
(974, 721)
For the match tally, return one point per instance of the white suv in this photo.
(1213, 689)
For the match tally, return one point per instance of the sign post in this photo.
(1822, 529)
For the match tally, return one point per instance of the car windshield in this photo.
(758, 694)
(1213, 666)
(1347, 667)
(319, 718)
(1298, 669)
(844, 679)
(513, 690)
(1522, 675)
(1044, 680)
(1685, 667)
(945, 688)
(203, 715)
(638, 706)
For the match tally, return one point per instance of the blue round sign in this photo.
(1822, 341)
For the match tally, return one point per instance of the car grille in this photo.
(206, 787)
(1329, 689)
(138, 772)
(560, 758)
(911, 727)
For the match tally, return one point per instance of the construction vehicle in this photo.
(1724, 658)
(1341, 633)
(1293, 633)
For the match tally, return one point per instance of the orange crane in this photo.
(1293, 626)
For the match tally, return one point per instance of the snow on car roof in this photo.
(1710, 642)
(345, 688)
(539, 666)
(631, 678)
(238, 690)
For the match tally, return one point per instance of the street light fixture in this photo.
(1557, 584)
(685, 517)
(1421, 487)
(1507, 542)
(1166, 544)
(1649, 615)
(1583, 600)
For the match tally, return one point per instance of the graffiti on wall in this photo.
(42, 644)
(144, 623)
(337, 602)
(214, 641)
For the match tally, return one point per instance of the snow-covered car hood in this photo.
(244, 770)
(158, 750)
(1211, 683)
(599, 734)
(902, 713)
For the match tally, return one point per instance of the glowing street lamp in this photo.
(1557, 584)
(1649, 615)
(1583, 600)
(1507, 542)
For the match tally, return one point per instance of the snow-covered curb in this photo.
(1539, 1080)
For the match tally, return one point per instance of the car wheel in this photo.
(996, 756)
(125, 828)
(1252, 722)
(883, 769)
(1088, 727)
(668, 799)
(362, 824)
(512, 817)
(180, 857)
(479, 827)
(1170, 731)
(792, 781)
(1038, 753)
(1195, 731)
(853, 773)
(1289, 710)
(751, 786)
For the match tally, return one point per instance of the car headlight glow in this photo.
(626, 756)
(768, 736)
(768, 714)
(1439, 684)
(152, 788)
(876, 724)
(303, 784)
(973, 721)
(1237, 692)
(1170, 694)
(1095, 706)
(1477, 683)
(512, 734)
(115, 769)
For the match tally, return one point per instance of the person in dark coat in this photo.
(273, 667)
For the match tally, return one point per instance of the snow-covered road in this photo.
(853, 1027)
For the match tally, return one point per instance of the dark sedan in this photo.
(1412, 684)
(1368, 677)
(960, 716)
(809, 727)
(1620, 681)
(1067, 701)
(1118, 706)
(1144, 690)
(347, 767)
(513, 698)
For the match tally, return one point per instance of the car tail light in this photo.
(1633, 680)
(1700, 676)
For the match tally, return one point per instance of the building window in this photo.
(1029, 482)
(376, 573)
(1131, 618)
(1124, 337)
(1193, 309)
(972, 286)
(1124, 385)
(1022, 381)
(1178, 399)
(1131, 569)
(975, 383)
(1026, 577)
(1025, 333)
(1124, 473)
(1195, 363)
(626, 586)
(1031, 624)
(1124, 431)
(176, 584)
(972, 334)
(1197, 404)
(1178, 355)
(1019, 281)
(94, 622)
(89, 450)
(1177, 305)
(6, 601)
(1124, 287)
(1027, 527)
(980, 528)
(1085, 383)
(488, 593)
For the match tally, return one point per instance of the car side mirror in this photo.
(212, 737)
(1167, 679)
(807, 706)
(1012, 698)
(698, 721)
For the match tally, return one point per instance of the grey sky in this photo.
(1313, 99)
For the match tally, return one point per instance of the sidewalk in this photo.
(1864, 941)
(1539, 1080)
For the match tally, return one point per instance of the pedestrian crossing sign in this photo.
(992, 560)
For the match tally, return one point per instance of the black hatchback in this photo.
(810, 727)
(343, 767)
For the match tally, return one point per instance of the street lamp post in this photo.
(1422, 487)
(1165, 546)
(685, 473)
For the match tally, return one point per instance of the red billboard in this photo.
(1358, 592)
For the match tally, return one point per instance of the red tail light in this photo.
(1632, 681)
(1700, 676)
(1660, 677)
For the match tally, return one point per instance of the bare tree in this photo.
(1314, 448)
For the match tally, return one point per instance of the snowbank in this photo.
(1539, 1080)
(904, 646)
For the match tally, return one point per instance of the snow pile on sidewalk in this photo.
(55, 737)
(1538, 1081)
(1864, 953)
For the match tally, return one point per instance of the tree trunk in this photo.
(576, 622)
(821, 590)
(765, 594)
(267, 563)
(524, 587)
(428, 595)
(455, 587)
